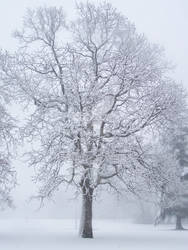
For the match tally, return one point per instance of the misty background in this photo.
(163, 22)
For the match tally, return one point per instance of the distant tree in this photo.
(97, 87)
(7, 138)
(174, 190)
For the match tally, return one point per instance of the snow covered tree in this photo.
(7, 138)
(174, 193)
(97, 87)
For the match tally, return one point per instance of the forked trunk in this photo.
(86, 230)
(178, 223)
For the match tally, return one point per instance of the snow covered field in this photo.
(109, 235)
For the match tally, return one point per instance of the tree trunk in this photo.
(86, 230)
(178, 223)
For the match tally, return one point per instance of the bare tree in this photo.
(98, 87)
(7, 138)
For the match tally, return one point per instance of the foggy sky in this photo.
(163, 21)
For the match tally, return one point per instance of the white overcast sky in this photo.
(163, 21)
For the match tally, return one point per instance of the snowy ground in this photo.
(109, 235)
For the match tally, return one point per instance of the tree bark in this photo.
(178, 223)
(86, 230)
